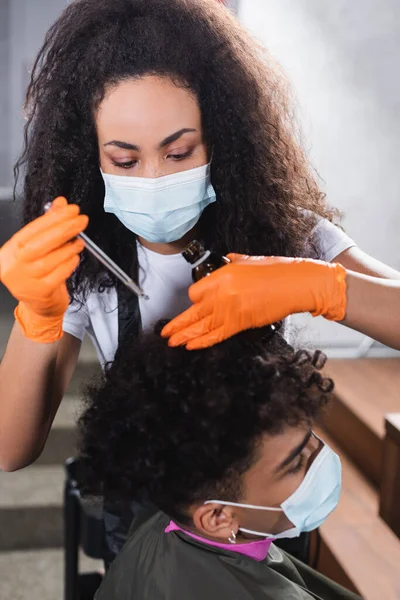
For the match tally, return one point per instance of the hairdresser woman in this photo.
(162, 121)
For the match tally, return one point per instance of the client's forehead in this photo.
(273, 450)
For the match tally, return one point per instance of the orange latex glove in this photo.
(35, 264)
(256, 291)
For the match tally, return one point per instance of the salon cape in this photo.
(154, 565)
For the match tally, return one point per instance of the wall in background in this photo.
(233, 5)
(5, 154)
(342, 58)
(28, 22)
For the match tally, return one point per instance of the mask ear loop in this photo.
(232, 538)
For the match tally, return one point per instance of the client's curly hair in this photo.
(184, 426)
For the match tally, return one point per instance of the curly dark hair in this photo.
(183, 426)
(260, 174)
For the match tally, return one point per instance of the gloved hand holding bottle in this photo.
(35, 264)
(257, 291)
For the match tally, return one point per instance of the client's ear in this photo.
(215, 521)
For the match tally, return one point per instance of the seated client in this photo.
(221, 441)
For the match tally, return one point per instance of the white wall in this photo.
(342, 58)
(4, 95)
(28, 22)
(233, 5)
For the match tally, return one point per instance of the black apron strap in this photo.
(129, 321)
(118, 517)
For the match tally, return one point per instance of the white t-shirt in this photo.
(165, 279)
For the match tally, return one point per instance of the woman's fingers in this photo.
(59, 202)
(216, 336)
(53, 237)
(195, 330)
(60, 275)
(233, 257)
(45, 265)
(185, 319)
(261, 260)
(203, 289)
(41, 224)
(204, 295)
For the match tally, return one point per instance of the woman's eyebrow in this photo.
(123, 145)
(175, 136)
(295, 452)
(168, 140)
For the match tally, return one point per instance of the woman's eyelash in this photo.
(182, 156)
(131, 163)
(124, 165)
(297, 466)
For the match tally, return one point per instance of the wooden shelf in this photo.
(366, 390)
(357, 548)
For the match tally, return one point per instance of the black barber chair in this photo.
(83, 529)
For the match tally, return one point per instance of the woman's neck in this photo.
(170, 248)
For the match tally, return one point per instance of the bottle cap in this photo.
(193, 252)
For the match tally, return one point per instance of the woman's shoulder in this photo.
(327, 240)
(85, 309)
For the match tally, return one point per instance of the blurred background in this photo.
(342, 59)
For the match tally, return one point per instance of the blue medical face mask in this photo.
(315, 498)
(160, 210)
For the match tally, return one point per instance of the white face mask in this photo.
(315, 498)
(163, 209)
